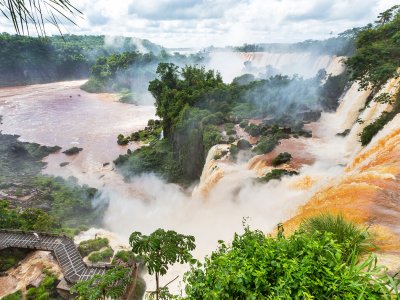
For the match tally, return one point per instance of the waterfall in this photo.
(305, 64)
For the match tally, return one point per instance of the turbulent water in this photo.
(305, 64)
(334, 171)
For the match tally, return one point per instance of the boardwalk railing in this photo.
(63, 248)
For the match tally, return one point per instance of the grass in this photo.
(89, 246)
(352, 237)
(101, 256)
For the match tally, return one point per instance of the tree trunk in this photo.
(130, 288)
(157, 287)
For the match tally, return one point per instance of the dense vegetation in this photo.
(89, 246)
(343, 45)
(318, 263)
(27, 60)
(50, 203)
(129, 73)
(198, 110)
(377, 56)
(376, 60)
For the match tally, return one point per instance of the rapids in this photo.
(336, 174)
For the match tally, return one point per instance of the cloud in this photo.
(177, 9)
(200, 23)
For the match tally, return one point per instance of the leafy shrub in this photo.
(14, 296)
(253, 129)
(233, 150)
(89, 246)
(281, 158)
(244, 123)
(93, 86)
(302, 266)
(46, 289)
(266, 144)
(243, 144)
(10, 257)
(101, 256)
(276, 174)
(372, 129)
(352, 237)
(124, 256)
(72, 151)
(122, 140)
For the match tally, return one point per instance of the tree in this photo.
(110, 285)
(305, 265)
(27, 13)
(161, 249)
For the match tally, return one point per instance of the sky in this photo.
(201, 23)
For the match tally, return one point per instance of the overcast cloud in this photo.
(200, 23)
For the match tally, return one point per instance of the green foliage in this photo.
(46, 289)
(158, 157)
(101, 256)
(243, 144)
(72, 151)
(276, 174)
(253, 129)
(28, 60)
(112, 285)
(123, 140)
(266, 144)
(354, 239)
(281, 158)
(89, 246)
(14, 296)
(161, 249)
(124, 256)
(233, 150)
(332, 89)
(302, 266)
(9, 258)
(372, 129)
(377, 54)
(126, 96)
(29, 219)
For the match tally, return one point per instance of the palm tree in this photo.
(28, 14)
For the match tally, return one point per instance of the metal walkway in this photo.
(63, 248)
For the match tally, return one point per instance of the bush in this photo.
(89, 246)
(233, 150)
(372, 129)
(101, 256)
(243, 144)
(93, 86)
(72, 151)
(302, 266)
(122, 140)
(46, 289)
(244, 123)
(253, 130)
(14, 296)
(10, 258)
(281, 158)
(266, 145)
(277, 174)
(124, 256)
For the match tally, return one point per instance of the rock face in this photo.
(29, 272)
(368, 191)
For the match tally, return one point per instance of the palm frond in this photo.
(36, 14)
